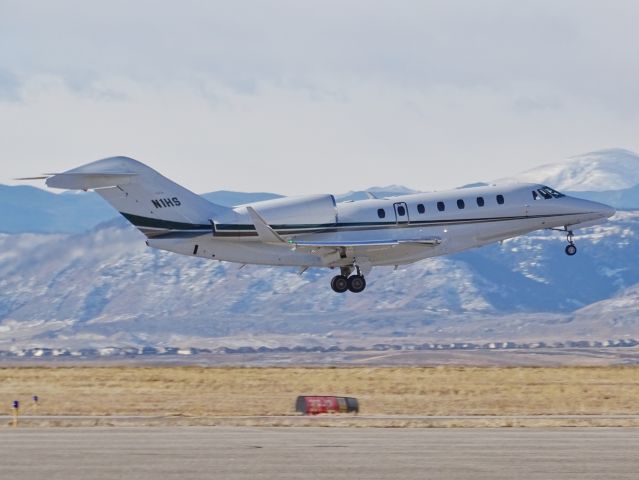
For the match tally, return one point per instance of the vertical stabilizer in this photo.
(150, 201)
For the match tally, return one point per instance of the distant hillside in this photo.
(30, 209)
(604, 170)
(624, 199)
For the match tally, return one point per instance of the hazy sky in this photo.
(327, 96)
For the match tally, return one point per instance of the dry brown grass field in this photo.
(233, 391)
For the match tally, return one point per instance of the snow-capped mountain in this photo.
(106, 287)
(94, 286)
(603, 170)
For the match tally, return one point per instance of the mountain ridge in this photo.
(60, 290)
(101, 286)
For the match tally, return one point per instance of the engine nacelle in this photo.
(299, 210)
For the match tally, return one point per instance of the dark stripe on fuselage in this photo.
(186, 230)
(139, 221)
(177, 234)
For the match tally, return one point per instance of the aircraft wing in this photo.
(268, 235)
(330, 250)
(432, 242)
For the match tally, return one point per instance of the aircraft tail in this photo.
(153, 203)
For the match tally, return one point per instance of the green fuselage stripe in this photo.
(241, 230)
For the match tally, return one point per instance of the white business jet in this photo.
(316, 231)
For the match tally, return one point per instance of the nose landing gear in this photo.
(571, 249)
(355, 283)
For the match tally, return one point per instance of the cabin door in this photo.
(401, 212)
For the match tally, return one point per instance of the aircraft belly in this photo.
(496, 231)
(262, 254)
(240, 252)
(402, 254)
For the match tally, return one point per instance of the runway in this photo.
(319, 453)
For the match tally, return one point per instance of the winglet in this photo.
(264, 231)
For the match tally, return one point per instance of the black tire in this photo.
(571, 250)
(339, 283)
(356, 283)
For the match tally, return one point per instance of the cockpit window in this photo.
(554, 192)
(544, 193)
(535, 195)
(548, 193)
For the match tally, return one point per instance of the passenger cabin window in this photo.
(500, 199)
(420, 208)
(381, 213)
(460, 204)
(440, 206)
(401, 211)
(480, 201)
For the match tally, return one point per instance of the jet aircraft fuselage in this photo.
(316, 231)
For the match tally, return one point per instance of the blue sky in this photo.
(296, 97)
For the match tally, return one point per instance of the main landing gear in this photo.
(571, 249)
(345, 281)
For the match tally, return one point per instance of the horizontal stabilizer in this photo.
(88, 181)
(430, 242)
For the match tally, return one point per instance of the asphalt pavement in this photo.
(318, 453)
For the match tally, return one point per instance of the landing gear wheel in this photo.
(571, 250)
(339, 283)
(356, 283)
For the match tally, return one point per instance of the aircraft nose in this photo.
(606, 211)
